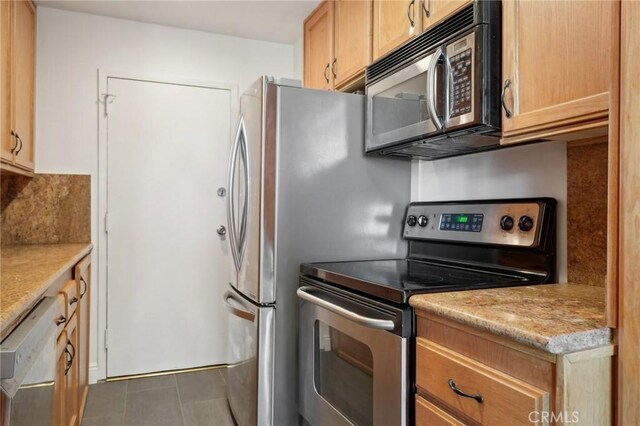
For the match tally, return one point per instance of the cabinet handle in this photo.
(333, 68)
(72, 356)
(61, 320)
(324, 73)
(73, 300)
(82, 293)
(411, 13)
(424, 7)
(15, 138)
(507, 111)
(477, 397)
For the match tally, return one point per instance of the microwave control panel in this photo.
(460, 98)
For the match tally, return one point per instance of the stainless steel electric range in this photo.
(356, 327)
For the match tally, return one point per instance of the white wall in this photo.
(73, 46)
(538, 170)
(298, 58)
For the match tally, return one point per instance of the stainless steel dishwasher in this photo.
(28, 368)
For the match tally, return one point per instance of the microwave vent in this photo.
(421, 44)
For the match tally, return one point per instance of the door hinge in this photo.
(107, 99)
(106, 222)
(106, 338)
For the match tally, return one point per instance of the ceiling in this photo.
(276, 21)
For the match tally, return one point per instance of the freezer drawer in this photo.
(250, 371)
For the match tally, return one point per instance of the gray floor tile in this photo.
(153, 407)
(104, 421)
(106, 399)
(213, 412)
(201, 386)
(151, 383)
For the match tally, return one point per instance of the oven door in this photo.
(353, 369)
(406, 105)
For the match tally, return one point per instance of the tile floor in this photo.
(197, 398)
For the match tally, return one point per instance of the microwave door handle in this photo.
(431, 88)
(303, 293)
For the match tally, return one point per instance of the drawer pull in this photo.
(61, 320)
(73, 300)
(85, 287)
(454, 388)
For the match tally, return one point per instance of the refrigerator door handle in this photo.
(240, 313)
(242, 237)
(233, 241)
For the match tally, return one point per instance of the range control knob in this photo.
(411, 220)
(525, 224)
(506, 223)
(422, 220)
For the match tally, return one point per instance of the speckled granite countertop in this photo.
(557, 318)
(26, 273)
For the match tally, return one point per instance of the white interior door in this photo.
(167, 268)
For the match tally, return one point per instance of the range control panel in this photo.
(505, 223)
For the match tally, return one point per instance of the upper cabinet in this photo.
(17, 82)
(434, 11)
(352, 41)
(394, 22)
(337, 44)
(557, 69)
(318, 48)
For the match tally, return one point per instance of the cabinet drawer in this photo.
(428, 414)
(505, 399)
(70, 293)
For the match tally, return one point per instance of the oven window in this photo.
(344, 373)
(400, 106)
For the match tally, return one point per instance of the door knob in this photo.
(221, 230)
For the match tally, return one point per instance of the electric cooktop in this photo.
(456, 246)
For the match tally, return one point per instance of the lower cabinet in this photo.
(469, 376)
(72, 353)
(82, 276)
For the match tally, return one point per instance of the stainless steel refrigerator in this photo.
(299, 190)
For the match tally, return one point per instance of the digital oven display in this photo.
(465, 222)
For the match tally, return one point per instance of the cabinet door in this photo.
(71, 373)
(318, 47)
(63, 357)
(6, 140)
(435, 11)
(556, 64)
(352, 40)
(83, 278)
(392, 24)
(23, 54)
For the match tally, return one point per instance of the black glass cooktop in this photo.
(397, 280)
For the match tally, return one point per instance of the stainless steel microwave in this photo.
(439, 94)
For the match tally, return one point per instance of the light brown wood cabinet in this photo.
(394, 22)
(72, 372)
(352, 32)
(557, 68)
(82, 276)
(318, 47)
(17, 86)
(469, 376)
(337, 44)
(435, 11)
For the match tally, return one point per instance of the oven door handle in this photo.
(303, 293)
